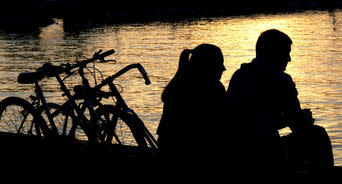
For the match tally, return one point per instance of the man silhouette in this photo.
(261, 99)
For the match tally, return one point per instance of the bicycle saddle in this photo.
(30, 77)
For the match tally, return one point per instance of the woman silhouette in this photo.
(193, 101)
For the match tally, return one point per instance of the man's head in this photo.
(274, 47)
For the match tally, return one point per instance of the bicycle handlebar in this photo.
(124, 70)
(96, 56)
(49, 70)
(55, 70)
(144, 74)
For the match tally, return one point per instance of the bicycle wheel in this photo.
(63, 122)
(18, 116)
(117, 128)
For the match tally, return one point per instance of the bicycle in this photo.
(25, 118)
(137, 127)
(109, 116)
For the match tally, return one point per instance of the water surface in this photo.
(316, 65)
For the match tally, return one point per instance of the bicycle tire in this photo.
(63, 122)
(121, 129)
(18, 116)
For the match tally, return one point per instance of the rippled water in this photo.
(316, 65)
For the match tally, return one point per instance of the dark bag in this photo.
(309, 149)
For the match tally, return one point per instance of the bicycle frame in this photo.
(40, 104)
(121, 105)
(80, 118)
(40, 98)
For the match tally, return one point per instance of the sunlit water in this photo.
(316, 65)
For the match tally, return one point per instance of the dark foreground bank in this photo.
(80, 155)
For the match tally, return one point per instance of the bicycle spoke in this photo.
(23, 121)
(16, 116)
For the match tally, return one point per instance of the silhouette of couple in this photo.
(203, 125)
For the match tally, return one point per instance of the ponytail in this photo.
(183, 67)
(183, 64)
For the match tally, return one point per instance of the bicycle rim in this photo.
(116, 128)
(18, 116)
(63, 122)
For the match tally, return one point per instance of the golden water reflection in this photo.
(316, 65)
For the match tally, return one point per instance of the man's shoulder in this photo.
(288, 83)
(244, 69)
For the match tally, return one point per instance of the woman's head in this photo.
(203, 63)
(207, 61)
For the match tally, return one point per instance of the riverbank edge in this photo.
(121, 156)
